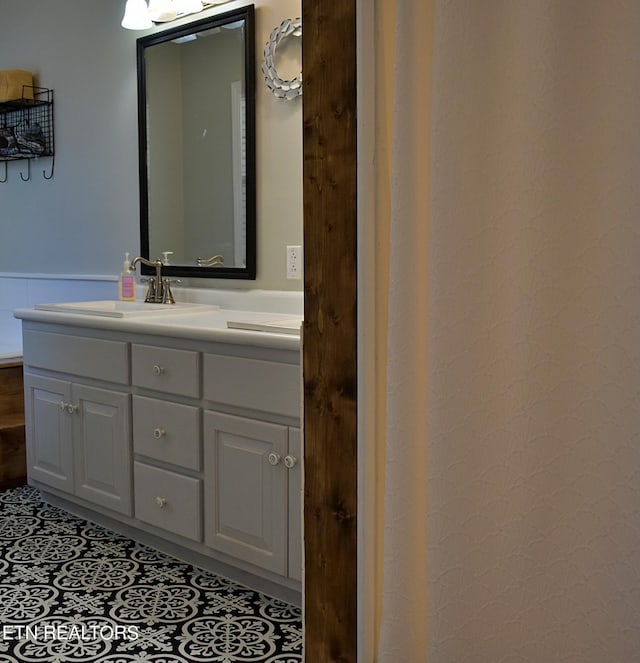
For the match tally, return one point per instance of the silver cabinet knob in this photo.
(274, 458)
(158, 370)
(71, 408)
(161, 502)
(290, 461)
(63, 406)
(158, 433)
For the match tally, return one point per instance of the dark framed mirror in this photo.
(196, 129)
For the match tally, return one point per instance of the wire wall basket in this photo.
(26, 129)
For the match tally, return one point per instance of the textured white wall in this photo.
(87, 215)
(534, 341)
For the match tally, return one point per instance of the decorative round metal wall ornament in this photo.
(281, 88)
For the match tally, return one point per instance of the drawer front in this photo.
(169, 432)
(166, 369)
(78, 355)
(253, 383)
(168, 500)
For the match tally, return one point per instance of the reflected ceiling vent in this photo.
(186, 38)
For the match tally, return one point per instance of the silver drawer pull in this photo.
(158, 433)
(274, 458)
(290, 461)
(161, 502)
(158, 370)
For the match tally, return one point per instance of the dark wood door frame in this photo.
(330, 329)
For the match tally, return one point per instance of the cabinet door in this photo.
(102, 444)
(293, 462)
(246, 489)
(48, 431)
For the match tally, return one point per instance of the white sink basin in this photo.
(118, 309)
(279, 325)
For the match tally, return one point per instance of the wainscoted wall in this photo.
(83, 219)
(25, 290)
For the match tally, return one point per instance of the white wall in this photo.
(25, 291)
(82, 220)
(534, 369)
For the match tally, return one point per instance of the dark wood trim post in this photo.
(330, 333)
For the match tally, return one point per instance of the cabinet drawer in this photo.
(169, 432)
(168, 500)
(166, 369)
(78, 355)
(253, 383)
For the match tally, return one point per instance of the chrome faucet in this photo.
(214, 261)
(159, 291)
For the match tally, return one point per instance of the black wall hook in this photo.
(50, 175)
(28, 177)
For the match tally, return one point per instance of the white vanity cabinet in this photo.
(78, 435)
(252, 496)
(192, 442)
(251, 463)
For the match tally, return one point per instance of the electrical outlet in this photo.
(294, 262)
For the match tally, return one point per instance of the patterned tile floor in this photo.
(72, 591)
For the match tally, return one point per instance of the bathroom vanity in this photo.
(175, 427)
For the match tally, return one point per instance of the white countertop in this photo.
(209, 325)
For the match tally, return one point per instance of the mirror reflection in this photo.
(197, 147)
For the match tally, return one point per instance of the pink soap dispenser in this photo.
(127, 282)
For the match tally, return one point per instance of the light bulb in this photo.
(136, 15)
(187, 6)
(161, 11)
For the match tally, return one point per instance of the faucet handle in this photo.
(167, 295)
(150, 297)
(213, 261)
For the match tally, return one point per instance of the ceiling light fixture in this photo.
(161, 11)
(184, 7)
(136, 15)
(139, 16)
